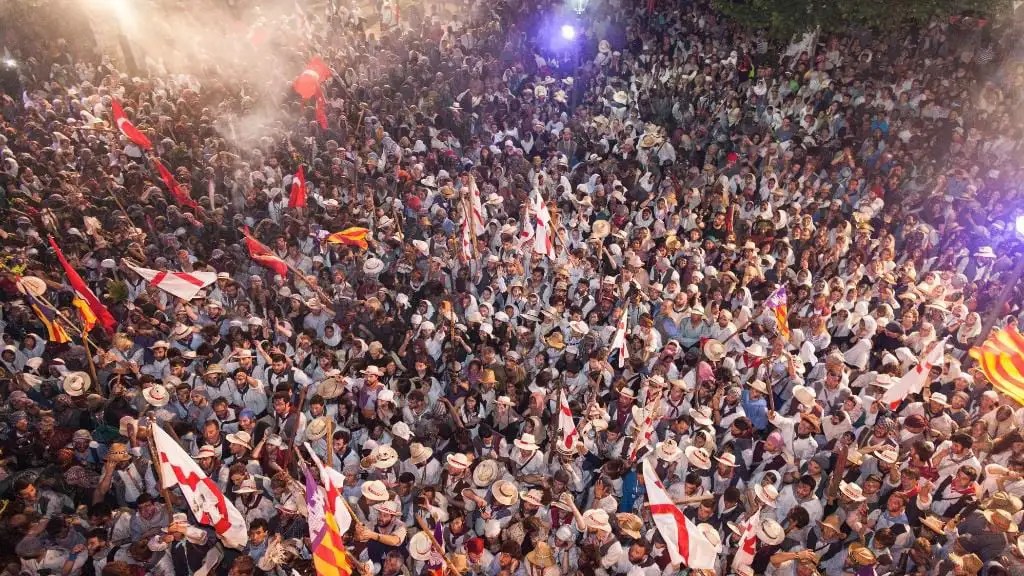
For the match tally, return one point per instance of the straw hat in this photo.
(505, 492)
(833, 523)
(156, 395)
(384, 457)
(767, 494)
(488, 377)
(971, 564)
(459, 461)
(242, 438)
(206, 451)
(373, 370)
(714, 350)
(76, 383)
(532, 496)
(373, 266)
(248, 487)
(1001, 520)
(526, 442)
(317, 429)
(759, 386)
(597, 519)
(861, 554)
(118, 452)
(600, 229)
(668, 451)
(629, 524)
(556, 341)
(542, 555)
(711, 535)
(418, 453)
(388, 507)
(889, 455)
(852, 491)
(770, 532)
(698, 457)
(485, 473)
(702, 416)
(420, 547)
(330, 388)
(728, 459)
(374, 491)
(934, 523)
(805, 395)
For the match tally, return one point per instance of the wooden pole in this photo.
(160, 478)
(330, 440)
(88, 355)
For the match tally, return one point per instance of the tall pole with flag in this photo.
(913, 381)
(778, 303)
(685, 542)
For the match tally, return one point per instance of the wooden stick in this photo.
(422, 523)
(330, 441)
(88, 355)
(160, 478)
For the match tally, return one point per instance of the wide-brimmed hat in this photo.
(488, 377)
(420, 547)
(76, 383)
(330, 388)
(702, 416)
(769, 495)
(600, 229)
(668, 451)
(118, 452)
(728, 459)
(1002, 500)
(698, 457)
(485, 473)
(889, 455)
(388, 507)
(242, 438)
(373, 266)
(418, 453)
(556, 341)
(713, 350)
(458, 461)
(526, 442)
(805, 395)
(758, 385)
(505, 492)
(542, 555)
(770, 532)
(971, 564)
(833, 522)
(532, 496)
(629, 524)
(156, 395)
(597, 519)
(372, 370)
(317, 429)
(374, 491)
(248, 486)
(861, 555)
(1001, 520)
(852, 491)
(384, 457)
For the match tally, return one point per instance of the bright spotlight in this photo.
(1019, 225)
(568, 32)
(10, 62)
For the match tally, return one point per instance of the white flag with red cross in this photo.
(181, 284)
(686, 544)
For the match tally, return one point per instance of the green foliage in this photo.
(782, 19)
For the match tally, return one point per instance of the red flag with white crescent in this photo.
(129, 129)
(297, 194)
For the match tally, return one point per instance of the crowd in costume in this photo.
(665, 299)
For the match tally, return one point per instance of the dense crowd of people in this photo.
(688, 169)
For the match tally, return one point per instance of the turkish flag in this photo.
(297, 194)
(129, 129)
(321, 109)
(179, 195)
(204, 497)
(308, 83)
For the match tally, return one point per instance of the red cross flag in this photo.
(748, 542)
(180, 284)
(566, 423)
(207, 502)
(686, 544)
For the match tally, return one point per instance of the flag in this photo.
(542, 242)
(644, 431)
(686, 544)
(105, 318)
(913, 381)
(297, 193)
(264, 256)
(354, 236)
(84, 313)
(129, 129)
(1001, 359)
(619, 341)
(181, 197)
(467, 240)
(202, 494)
(321, 109)
(778, 303)
(308, 82)
(566, 424)
(748, 542)
(54, 331)
(181, 284)
(333, 481)
(329, 555)
(477, 208)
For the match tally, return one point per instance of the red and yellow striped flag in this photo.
(85, 313)
(354, 236)
(1001, 359)
(330, 558)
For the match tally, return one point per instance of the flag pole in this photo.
(88, 355)
(330, 441)
(164, 492)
